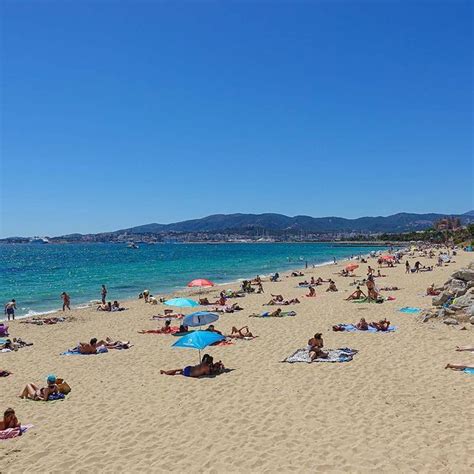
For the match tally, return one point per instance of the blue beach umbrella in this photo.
(182, 303)
(199, 318)
(198, 340)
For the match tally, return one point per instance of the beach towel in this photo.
(409, 310)
(352, 328)
(468, 370)
(14, 432)
(267, 314)
(173, 330)
(75, 351)
(343, 354)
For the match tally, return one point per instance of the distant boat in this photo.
(132, 245)
(39, 240)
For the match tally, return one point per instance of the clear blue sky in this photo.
(124, 113)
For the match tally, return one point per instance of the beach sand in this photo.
(394, 408)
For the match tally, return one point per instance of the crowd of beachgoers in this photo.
(364, 282)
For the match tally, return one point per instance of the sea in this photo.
(35, 275)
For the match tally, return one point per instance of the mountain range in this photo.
(402, 222)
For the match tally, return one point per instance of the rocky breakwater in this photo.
(455, 303)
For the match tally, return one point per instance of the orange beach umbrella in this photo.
(200, 282)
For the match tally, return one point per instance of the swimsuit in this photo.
(187, 371)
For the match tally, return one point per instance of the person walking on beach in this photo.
(407, 267)
(66, 301)
(103, 293)
(10, 309)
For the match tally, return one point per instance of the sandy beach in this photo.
(393, 408)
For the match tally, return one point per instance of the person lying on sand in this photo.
(315, 346)
(312, 292)
(382, 325)
(166, 329)
(303, 283)
(33, 392)
(14, 344)
(390, 288)
(332, 286)
(465, 348)
(10, 420)
(361, 326)
(211, 328)
(459, 366)
(105, 307)
(242, 333)
(357, 295)
(204, 368)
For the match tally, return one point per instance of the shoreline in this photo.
(178, 289)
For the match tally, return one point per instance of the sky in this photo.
(115, 114)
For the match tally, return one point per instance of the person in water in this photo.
(33, 392)
(103, 293)
(66, 301)
(10, 308)
(315, 347)
(204, 368)
(10, 421)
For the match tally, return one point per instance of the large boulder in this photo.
(464, 301)
(465, 274)
(441, 298)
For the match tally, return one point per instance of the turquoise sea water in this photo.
(35, 275)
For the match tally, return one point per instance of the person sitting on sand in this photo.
(242, 333)
(88, 347)
(166, 329)
(312, 292)
(211, 328)
(105, 307)
(10, 421)
(430, 291)
(382, 325)
(204, 301)
(146, 295)
(332, 286)
(459, 366)
(116, 306)
(276, 313)
(33, 392)
(357, 295)
(362, 325)
(315, 346)
(312, 281)
(183, 329)
(260, 288)
(379, 275)
(202, 369)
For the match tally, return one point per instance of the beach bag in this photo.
(56, 396)
(63, 386)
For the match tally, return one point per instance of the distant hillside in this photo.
(402, 222)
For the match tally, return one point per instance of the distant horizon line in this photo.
(467, 213)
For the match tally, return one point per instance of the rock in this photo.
(464, 301)
(441, 299)
(441, 313)
(470, 310)
(455, 284)
(471, 319)
(471, 266)
(466, 274)
(451, 322)
(460, 292)
(469, 284)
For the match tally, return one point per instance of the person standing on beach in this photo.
(407, 267)
(104, 293)
(335, 261)
(66, 301)
(10, 309)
